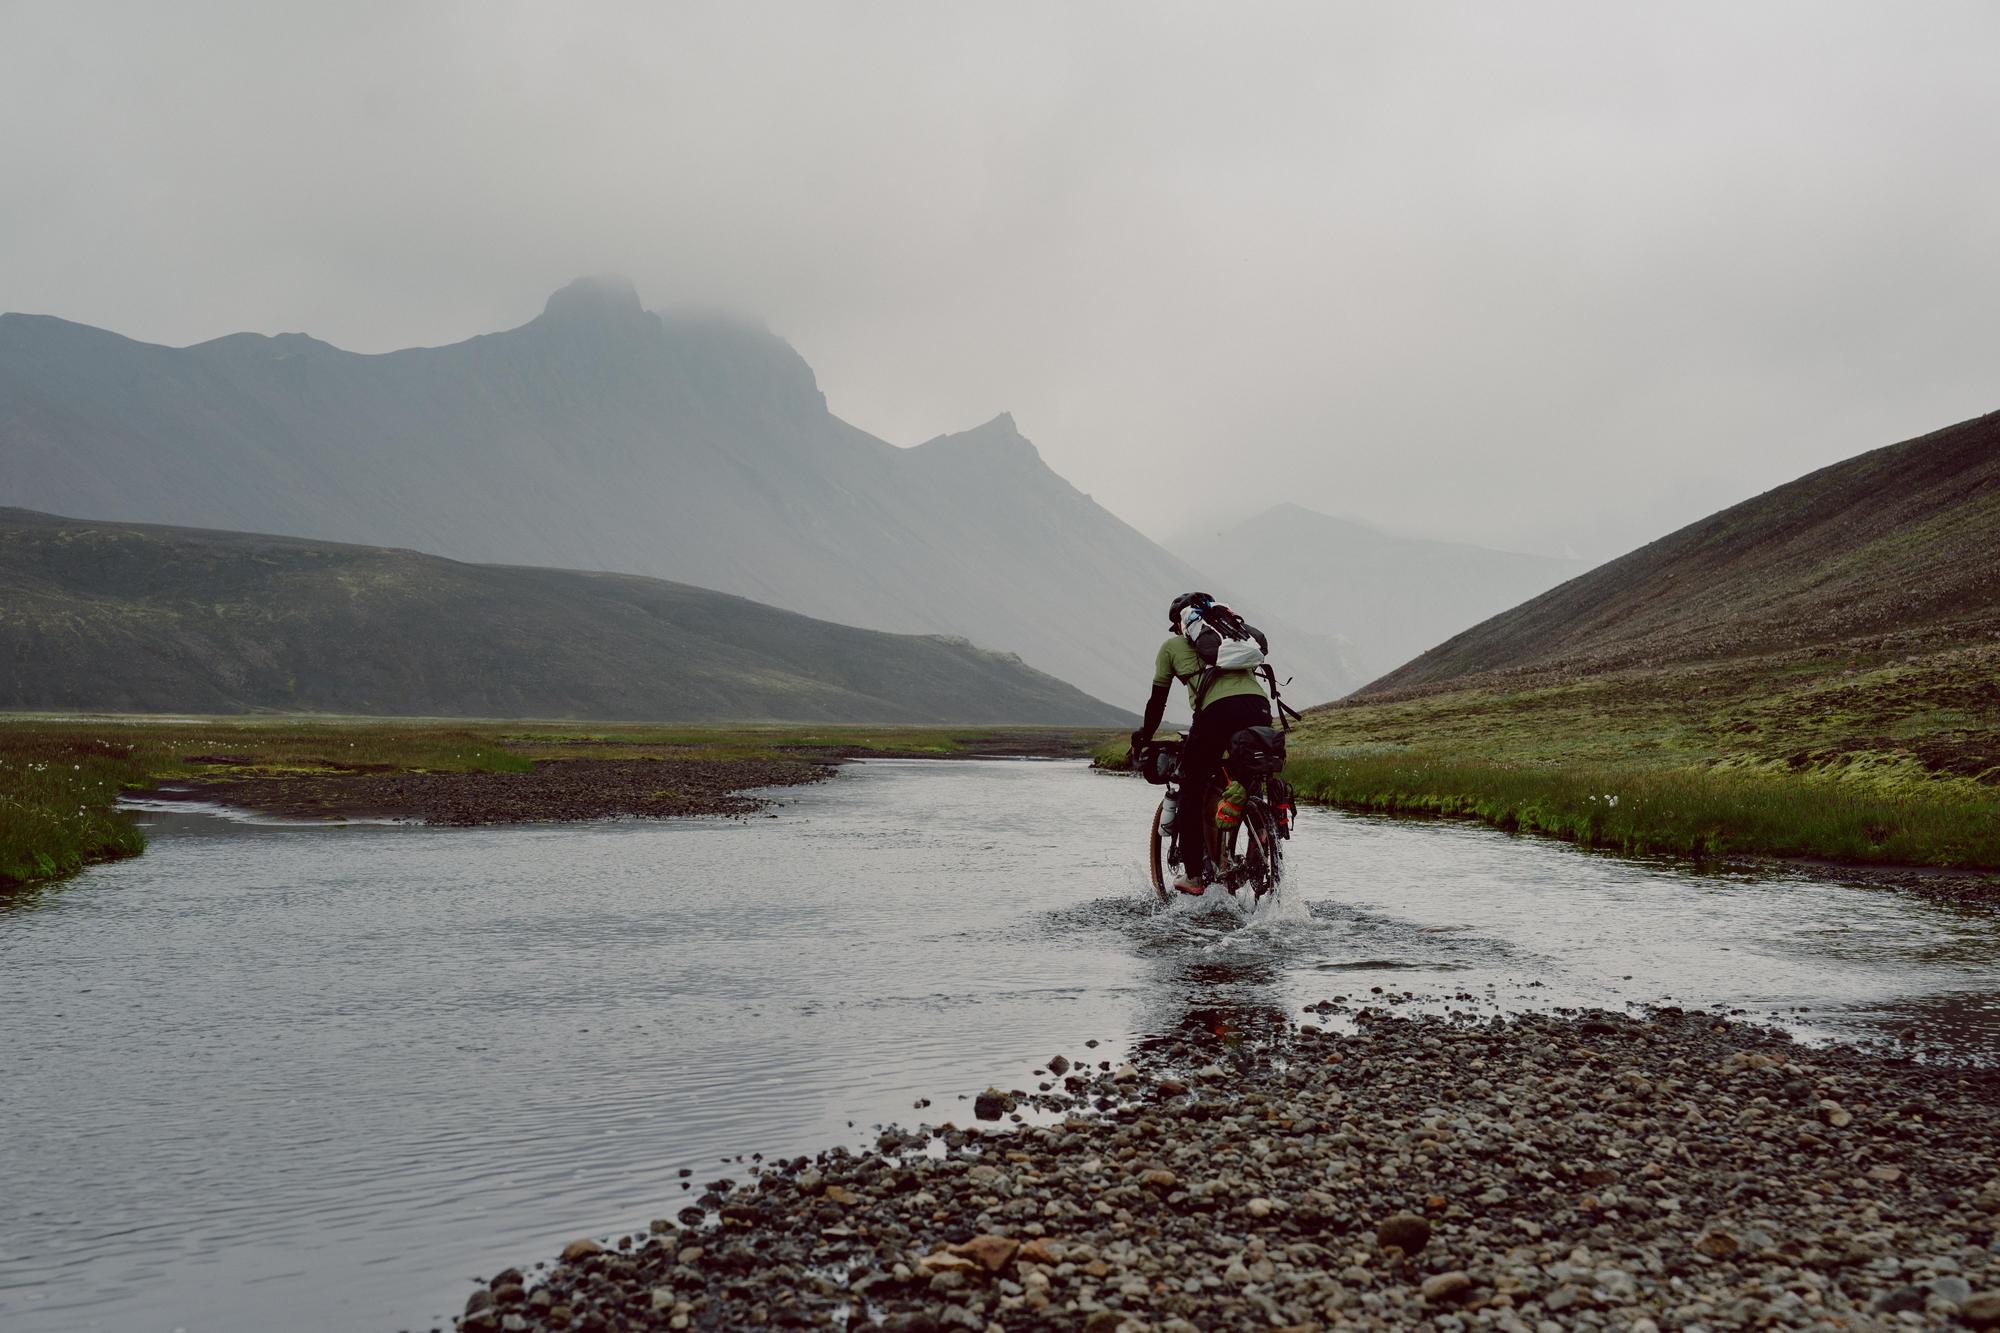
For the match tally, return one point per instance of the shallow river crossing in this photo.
(281, 1075)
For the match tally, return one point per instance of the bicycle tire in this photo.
(1156, 852)
(1265, 856)
(1158, 841)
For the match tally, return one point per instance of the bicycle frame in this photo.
(1260, 865)
(1246, 855)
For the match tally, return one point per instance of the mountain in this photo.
(124, 617)
(604, 436)
(1389, 597)
(1900, 541)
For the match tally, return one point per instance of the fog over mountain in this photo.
(603, 436)
(1389, 596)
(1542, 276)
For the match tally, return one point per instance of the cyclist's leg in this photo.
(1201, 765)
(1201, 760)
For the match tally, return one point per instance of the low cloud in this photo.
(1530, 274)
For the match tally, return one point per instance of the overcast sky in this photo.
(1523, 274)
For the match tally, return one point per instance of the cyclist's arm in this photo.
(1156, 708)
(1163, 681)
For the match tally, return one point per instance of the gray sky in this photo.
(1529, 274)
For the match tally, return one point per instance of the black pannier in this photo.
(1256, 752)
(1160, 761)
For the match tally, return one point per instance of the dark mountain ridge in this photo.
(1900, 539)
(601, 435)
(144, 618)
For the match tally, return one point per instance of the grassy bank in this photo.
(1886, 755)
(1690, 812)
(56, 793)
(61, 777)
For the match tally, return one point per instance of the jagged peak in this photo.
(999, 437)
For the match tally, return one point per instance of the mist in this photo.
(1548, 277)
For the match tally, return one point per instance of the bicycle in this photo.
(1246, 847)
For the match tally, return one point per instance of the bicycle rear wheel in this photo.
(1263, 853)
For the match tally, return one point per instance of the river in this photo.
(282, 1075)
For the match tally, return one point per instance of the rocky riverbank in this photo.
(1361, 1170)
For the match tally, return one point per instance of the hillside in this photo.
(603, 436)
(1812, 673)
(1388, 596)
(1900, 539)
(130, 618)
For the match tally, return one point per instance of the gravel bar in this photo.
(1365, 1169)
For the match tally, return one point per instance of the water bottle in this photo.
(1170, 807)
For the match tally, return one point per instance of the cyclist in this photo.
(1231, 701)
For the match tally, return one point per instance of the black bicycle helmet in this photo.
(1181, 603)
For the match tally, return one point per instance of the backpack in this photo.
(1221, 639)
(1225, 642)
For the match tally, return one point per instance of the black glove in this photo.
(1139, 740)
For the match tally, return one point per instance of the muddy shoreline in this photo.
(1358, 1170)
(556, 790)
(553, 790)
(1963, 888)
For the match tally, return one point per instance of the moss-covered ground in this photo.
(60, 777)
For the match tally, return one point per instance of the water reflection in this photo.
(1228, 1011)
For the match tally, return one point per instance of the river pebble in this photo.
(1674, 1171)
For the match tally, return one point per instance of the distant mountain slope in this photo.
(124, 617)
(1901, 538)
(1389, 597)
(602, 436)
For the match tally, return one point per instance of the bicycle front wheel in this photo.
(1159, 844)
(1160, 848)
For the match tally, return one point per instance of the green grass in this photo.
(1883, 754)
(55, 805)
(1676, 811)
(60, 776)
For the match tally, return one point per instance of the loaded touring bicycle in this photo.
(1246, 808)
